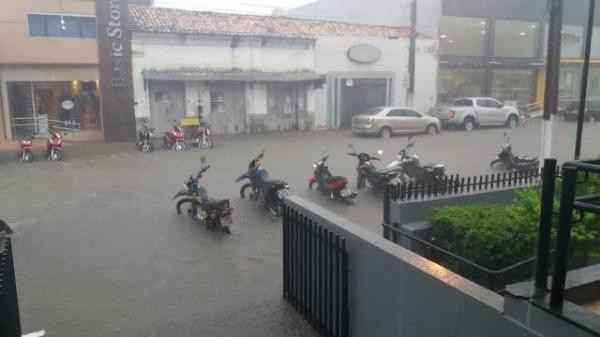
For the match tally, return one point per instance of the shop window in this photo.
(61, 26)
(217, 102)
(461, 36)
(456, 83)
(513, 86)
(516, 38)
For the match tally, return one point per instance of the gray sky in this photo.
(233, 6)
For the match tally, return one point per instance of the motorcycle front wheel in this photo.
(179, 146)
(184, 201)
(243, 190)
(207, 145)
(55, 155)
(495, 162)
(147, 147)
(27, 157)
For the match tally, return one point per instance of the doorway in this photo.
(166, 104)
(359, 95)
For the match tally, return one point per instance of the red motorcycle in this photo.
(174, 139)
(202, 137)
(26, 149)
(335, 187)
(54, 147)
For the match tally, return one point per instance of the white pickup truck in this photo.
(470, 112)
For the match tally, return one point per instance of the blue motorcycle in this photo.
(269, 192)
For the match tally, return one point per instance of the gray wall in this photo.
(394, 292)
(372, 12)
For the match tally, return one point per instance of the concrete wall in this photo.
(18, 47)
(427, 65)
(394, 292)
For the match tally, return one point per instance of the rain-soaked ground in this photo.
(100, 251)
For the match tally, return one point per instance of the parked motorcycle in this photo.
(214, 213)
(510, 161)
(410, 168)
(54, 146)
(174, 139)
(366, 171)
(144, 142)
(202, 137)
(26, 149)
(333, 186)
(269, 192)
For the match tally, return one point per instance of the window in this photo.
(403, 113)
(571, 43)
(217, 102)
(516, 38)
(456, 83)
(513, 86)
(61, 26)
(463, 102)
(483, 103)
(460, 36)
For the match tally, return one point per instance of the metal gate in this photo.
(10, 325)
(315, 273)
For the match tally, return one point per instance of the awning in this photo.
(229, 75)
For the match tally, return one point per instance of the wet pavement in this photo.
(100, 250)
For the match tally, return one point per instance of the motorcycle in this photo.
(333, 186)
(26, 149)
(54, 146)
(216, 214)
(512, 162)
(367, 172)
(410, 169)
(269, 192)
(174, 139)
(202, 137)
(144, 143)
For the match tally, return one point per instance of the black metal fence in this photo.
(493, 279)
(315, 273)
(10, 325)
(456, 184)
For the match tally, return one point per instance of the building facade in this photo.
(498, 48)
(247, 74)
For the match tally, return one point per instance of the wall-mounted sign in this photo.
(364, 53)
(67, 104)
(114, 53)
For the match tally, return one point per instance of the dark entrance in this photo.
(358, 95)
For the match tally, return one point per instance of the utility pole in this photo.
(412, 54)
(555, 7)
(584, 78)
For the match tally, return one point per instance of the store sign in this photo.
(364, 53)
(114, 48)
(67, 104)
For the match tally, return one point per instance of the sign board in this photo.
(114, 54)
(364, 53)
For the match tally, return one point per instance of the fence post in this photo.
(544, 232)
(386, 212)
(563, 237)
(10, 323)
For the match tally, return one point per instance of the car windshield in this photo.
(463, 102)
(372, 111)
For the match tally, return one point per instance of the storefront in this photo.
(40, 98)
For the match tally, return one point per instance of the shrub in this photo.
(499, 236)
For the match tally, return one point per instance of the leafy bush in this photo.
(499, 236)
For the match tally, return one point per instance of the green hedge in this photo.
(499, 236)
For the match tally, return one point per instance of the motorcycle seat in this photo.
(334, 179)
(217, 203)
(434, 166)
(274, 182)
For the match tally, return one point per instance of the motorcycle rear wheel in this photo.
(207, 145)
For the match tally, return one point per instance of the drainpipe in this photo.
(555, 8)
(410, 93)
(584, 78)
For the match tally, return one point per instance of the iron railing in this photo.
(10, 325)
(315, 273)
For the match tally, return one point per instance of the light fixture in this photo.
(534, 26)
(443, 36)
(483, 22)
(522, 34)
(483, 32)
(63, 25)
(450, 41)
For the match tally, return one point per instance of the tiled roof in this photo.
(168, 20)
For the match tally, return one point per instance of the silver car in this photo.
(387, 121)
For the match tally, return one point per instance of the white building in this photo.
(248, 73)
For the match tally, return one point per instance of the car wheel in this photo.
(431, 130)
(469, 124)
(512, 122)
(385, 133)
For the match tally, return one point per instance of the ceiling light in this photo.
(443, 36)
(522, 33)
